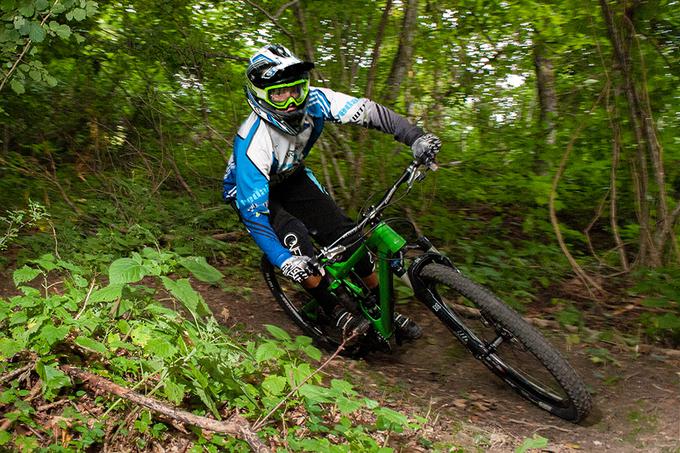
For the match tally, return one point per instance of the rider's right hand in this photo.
(426, 147)
(298, 268)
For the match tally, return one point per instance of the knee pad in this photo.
(295, 237)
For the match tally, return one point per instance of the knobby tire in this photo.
(576, 403)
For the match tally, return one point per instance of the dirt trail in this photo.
(637, 399)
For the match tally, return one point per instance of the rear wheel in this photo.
(512, 349)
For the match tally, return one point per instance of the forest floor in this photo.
(636, 396)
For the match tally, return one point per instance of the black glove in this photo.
(426, 147)
(298, 268)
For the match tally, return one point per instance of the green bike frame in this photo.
(386, 244)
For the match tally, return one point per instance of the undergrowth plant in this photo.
(14, 221)
(148, 329)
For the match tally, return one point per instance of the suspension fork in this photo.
(428, 296)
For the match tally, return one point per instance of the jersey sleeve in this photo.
(253, 158)
(342, 108)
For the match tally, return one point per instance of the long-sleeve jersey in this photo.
(265, 155)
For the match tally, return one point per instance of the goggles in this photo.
(283, 95)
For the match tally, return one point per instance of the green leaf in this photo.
(346, 405)
(47, 262)
(267, 351)
(9, 347)
(317, 394)
(79, 14)
(173, 391)
(123, 326)
(79, 281)
(182, 291)
(312, 352)
(36, 33)
(536, 442)
(52, 334)
(17, 86)
(91, 8)
(53, 379)
(277, 332)
(90, 344)
(140, 334)
(342, 386)
(668, 321)
(41, 5)
(62, 30)
(51, 81)
(126, 270)
(160, 347)
(27, 10)
(107, 294)
(274, 384)
(200, 268)
(390, 419)
(25, 274)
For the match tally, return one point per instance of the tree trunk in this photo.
(545, 82)
(655, 231)
(403, 59)
(375, 56)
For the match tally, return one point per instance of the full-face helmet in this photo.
(277, 87)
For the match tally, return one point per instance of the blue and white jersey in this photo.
(265, 155)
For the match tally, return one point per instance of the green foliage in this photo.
(123, 333)
(24, 24)
(532, 443)
(660, 293)
(14, 221)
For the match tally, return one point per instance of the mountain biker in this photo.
(279, 200)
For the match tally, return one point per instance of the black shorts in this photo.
(299, 209)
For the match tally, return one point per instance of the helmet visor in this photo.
(283, 95)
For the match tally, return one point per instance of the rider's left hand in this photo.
(426, 147)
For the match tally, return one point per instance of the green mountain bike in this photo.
(494, 333)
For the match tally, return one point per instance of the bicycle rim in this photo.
(516, 351)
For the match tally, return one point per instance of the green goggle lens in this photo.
(283, 95)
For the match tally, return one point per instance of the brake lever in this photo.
(418, 175)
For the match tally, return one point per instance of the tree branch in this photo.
(272, 18)
(237, 426)
(284, 7)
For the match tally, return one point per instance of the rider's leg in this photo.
(305, 199)
(294, 235)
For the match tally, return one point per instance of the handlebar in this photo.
(409, 177)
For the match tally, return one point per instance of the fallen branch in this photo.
(237, 426)
(19, 371)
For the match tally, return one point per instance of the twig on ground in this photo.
(19, 371)
(237, 426)
(45, 407)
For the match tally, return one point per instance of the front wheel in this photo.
(509, 346)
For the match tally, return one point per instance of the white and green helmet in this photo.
(277, 87)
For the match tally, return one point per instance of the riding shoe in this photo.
(406, 328)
